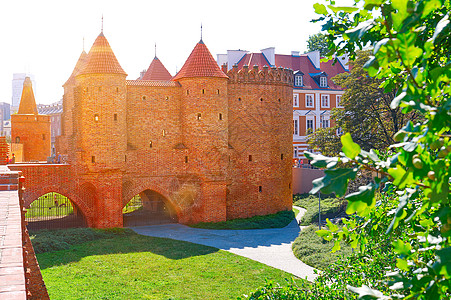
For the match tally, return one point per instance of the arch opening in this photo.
(148, 208)
(54, 211)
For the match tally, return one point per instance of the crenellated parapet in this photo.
(266, 75)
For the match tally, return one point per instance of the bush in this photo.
(61, 239)
(330, 208)
(315, 251)
(278, 220)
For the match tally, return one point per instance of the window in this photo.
(298, 80)
(338, 100)
(260, 189)
(217, 91)
(309, 126)
(93, 159)
(187, 92)
(199, 116)
(163, 133)
(203, 91)
(43, 137)
(295, 151)
(96, 118)
(115, 117)
(309, 100)
(324, 122)
(239, 99)
(296, 100)
(144, 97)
(324, 100)
(261, 99)
(281, 156)
(117, 90)
(250, 157)
(220, 116)
(323, 81)
(167, 97)
(150, 144)
(295, 127)
(186, 159)
(17, 140)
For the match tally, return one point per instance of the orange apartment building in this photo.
(314, 93)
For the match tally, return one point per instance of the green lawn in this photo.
(124, 265)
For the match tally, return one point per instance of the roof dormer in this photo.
(320, 79)
(298, 78)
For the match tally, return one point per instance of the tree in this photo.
(366, 115)
(411, 218)
(318, 42)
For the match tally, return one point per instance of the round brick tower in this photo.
(204, 117)
(99, 115)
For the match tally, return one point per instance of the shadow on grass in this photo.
(125, 241)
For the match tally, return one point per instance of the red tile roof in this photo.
(200, 63)
(27, 103)
(101, 59)
(80, 64)
(160, 83)
(301, 63)
(157, 71)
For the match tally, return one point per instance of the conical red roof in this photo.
(200, 63)
(78, 67)
(101, 59)
(27, 103)
(157, 71)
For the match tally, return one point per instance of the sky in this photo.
(45, 38)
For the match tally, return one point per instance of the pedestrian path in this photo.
(268, 246)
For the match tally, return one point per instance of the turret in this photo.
(29, 128)
(99, 110)
(204, 112)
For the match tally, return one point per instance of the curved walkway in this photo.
(269, 246)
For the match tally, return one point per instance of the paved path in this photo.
(269, 246)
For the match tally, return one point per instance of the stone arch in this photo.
(74, 199)
(134, 188)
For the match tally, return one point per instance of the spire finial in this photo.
(102, 24)
(155, 50)
(201, 32)
(83, 44)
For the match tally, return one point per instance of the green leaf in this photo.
(429, 6)
(358, 201)
(335, 181)
(402, 264)
(440, 26)
(336, 246)
(401, 247)
(320, 9)
(365, 292)
(350, 149)
(321, 161)
(401, 178)
(346, 9)
(443, 262)
(370, 4)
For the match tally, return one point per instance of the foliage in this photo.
(366, 112)
(131, 266)
(318, 42)
(330, 207)
(61, 239)
(411, 45)
(277, 220)
(315, 251)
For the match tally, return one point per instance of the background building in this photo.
(314, 93)
(53, 110)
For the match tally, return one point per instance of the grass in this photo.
(315, 251)
(125, 265)
(330, 206)
(278, 220)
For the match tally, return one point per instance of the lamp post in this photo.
(319, 210)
